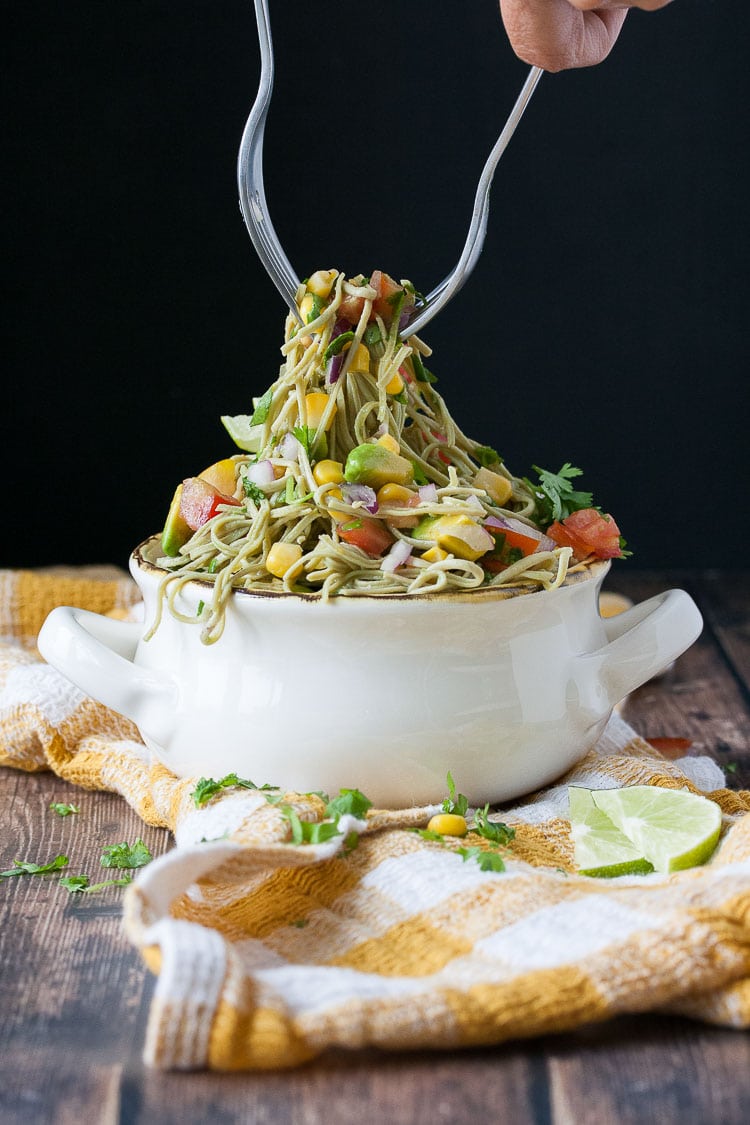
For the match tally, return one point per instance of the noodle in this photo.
(377, 392)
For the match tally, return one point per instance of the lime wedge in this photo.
(672, 828)
(242, 432)
(601, 849)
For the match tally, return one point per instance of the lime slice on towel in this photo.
(672, 828)
(601, 849)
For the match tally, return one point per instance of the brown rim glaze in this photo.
(583, 573)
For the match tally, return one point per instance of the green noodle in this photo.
(232, 548)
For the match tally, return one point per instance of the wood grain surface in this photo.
(74, 995)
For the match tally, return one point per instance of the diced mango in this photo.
(388, 441)
(339, 517)
(315, 406)
(321, 283)
(395, 385)
(497, 487)
(434, 554)
(222, 475)
(360, 363)
(394, 494)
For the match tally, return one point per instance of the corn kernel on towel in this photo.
(268, 953)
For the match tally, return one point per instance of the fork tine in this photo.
(453, 281)
(250, 174)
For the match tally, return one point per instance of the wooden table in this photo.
(75, 995)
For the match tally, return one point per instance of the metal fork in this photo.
(255, 208)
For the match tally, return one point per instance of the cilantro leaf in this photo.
(487, 456)
(420, 371)
(420, 477)
(253, 490)
(310, 832)
(26, 867)
(349, 801)
(496, 831)
(454, 802)
(262, 408)
(315, 309)
(79, 884)
(488, 861)
(372, 336)
(62, 809)
(555, 496)
(123, 855)
(207, 787)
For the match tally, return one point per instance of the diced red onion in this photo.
(547, 544)
(428, 493)
(289, 447)
(362, 494)
(507, 523)
(261, 473)
(334, 368)
(396, 557)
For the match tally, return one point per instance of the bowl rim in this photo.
(590, 571)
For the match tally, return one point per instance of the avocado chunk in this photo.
(459, 535)
(375, 465)
(176, 532)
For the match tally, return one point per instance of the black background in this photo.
(605, 322)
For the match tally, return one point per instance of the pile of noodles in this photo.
(231, 549)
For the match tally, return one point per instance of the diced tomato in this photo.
(671, 747)
(588, 532)
(200, 501)
(350, 309)
(508, 540)
(371, 536)
(386, 289)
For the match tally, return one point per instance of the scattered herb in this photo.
(556, 499)
(299, 923)
(25, 867)
(337, 345)
(200, 608)
(62, 809)
(488, 861)
(420, 371)
(495, 831)
(372, 336)
(79, 884)
(261, 409)
(730, 767)
(207, 787)
(351, 802)
(428, 834)
(123, 855)
(253, 491)
(487, 456)
(310, 831)
(454, 803)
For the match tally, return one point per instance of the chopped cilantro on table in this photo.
(488, 861)
(351, 802)
(126, 855)
(63, 809)
(495, 831)
(79, 884)
(26, 867)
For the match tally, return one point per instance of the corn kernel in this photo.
(497, 487)
(307, 307)
(321, 283)
(434, 554)
(390, 495)
(389, 442)
(448, 824)
(395, 386)
(315, 404)
(281, 557)
(339, 517)
(328, 472)
(360, 364)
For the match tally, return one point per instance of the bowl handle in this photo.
(644, 640)
(96, 653)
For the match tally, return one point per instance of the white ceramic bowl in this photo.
(507, 689)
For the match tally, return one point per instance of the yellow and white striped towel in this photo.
(268, 953)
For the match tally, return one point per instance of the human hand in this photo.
(560, 34)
